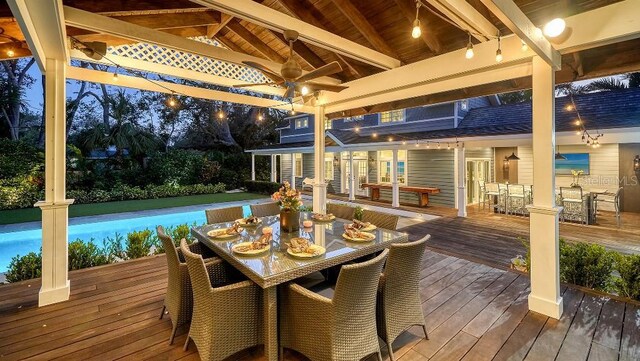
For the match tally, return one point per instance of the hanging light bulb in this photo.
(554, 28)
(220, 114)
(469, 53)
(356, 129)
(260, 117)
(404, 142)
(428, 146)
(499, 52)
(375, 135)
(172, 102)
(416, 31)
(578, 132)
(391, 139)
(438, 145)
(293, 111)
(524, 46)
(578, 122)
(448, 146)
(304, 90)
(569, 107)
(418, 144)
(115, 76)
(10, 53)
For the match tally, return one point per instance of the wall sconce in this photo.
(636, 163)
(336, 162)
(372, 163)
(505, 164)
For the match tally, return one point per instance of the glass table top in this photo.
(276, 265)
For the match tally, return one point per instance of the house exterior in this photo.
(483, 131)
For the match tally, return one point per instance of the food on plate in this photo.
(260, 243)
(302, 245)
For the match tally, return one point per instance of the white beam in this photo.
(42, 24)
(293, 170)
(97, 76)
(352, 178)
(319, 185)
(395, 189)
(460, 175)
(511, 15)
(274, 168)
(467, 17)
(253, 166)
(147, 66)
(275, 20)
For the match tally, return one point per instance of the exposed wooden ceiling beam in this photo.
(255, 42)
(221, 37)
(408, 8)
(172, 20)
(577, 62)
(365, 28)
(212, 30)
(275, 20)
(467, 17)
(303, 51)
(510, 14)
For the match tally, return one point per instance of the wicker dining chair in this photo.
(221, 215)
(382, 220)
(574, 205)
(226, 310)
(341, 210)
(265, 209)
(178, 300)
(347, 330)
(399, 306)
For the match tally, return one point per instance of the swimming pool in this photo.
(23, 242)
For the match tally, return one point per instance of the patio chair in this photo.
(574, 205)
(502, 198)
(178, 300)
(399, 305)
(265, 209)
(221, 215)
(381, 220)
(226, 312)
(342, 327)
(307, 183)
(482, 190)
(516, 199)
(492, 193)
(612, 199)
(341, 211)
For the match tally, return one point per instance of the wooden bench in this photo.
(423, 192)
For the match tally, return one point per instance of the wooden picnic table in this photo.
(423, 192)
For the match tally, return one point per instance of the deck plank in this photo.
(577, 343)
(630, 343)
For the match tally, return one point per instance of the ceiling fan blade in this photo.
(267, 72)
(253, 84)
(331, 68)
(328, 87)
(290, 93)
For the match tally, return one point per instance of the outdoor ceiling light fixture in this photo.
(554, 28)
(636, 163)
(416, 31)
(469, 53)
(499, 52)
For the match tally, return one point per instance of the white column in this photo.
(395, 189)
(293, 170)
(274, 168)
(253, 166)
(352, 178)
(545, 294)
(55, 215)
(319, 186)
(460, 172)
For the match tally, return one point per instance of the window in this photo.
(302, 123)
(385, 159)
(298, 157)
(328, 166)
(392, 116)
(354, 118)
(464, 104)
(328, 124)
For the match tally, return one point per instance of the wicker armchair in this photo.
(226, 315)
(338, 328)
(399, 305)
(222, 215)
(382, 220)
(265, 209)
(341, 211)
(178, 300)
(574, 205)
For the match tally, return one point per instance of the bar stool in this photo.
(615, 201)
(492, 194)
(516, 199)
(482, 190)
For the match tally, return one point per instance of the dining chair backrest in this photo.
(265, 209)
(617, 196)
(502, 187)
(381, 220)
(404, 264)
(221, 215)
(173, 260)
(515, 189)
(492, 188)
(341, 210)
(574, 193)
(481, 185)
(197, 271)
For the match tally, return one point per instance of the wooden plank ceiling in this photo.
(382, 25)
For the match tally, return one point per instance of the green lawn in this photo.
(93, 209)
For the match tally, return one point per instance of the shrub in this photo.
(138, 244)
(628, 284)
(587, 265)
(358, 213)
(25, 267)
(180, 166)
(83, 255)
(262, 187)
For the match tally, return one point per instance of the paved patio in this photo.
(473, 312)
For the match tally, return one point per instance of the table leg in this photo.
(270, 323)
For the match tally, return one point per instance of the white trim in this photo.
(295, 170)
(295, 135)
(380, 159)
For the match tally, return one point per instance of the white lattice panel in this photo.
(156, 54)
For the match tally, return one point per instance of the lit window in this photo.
(392, 116)
(385, 159)
(328, 166)
(328, 124)
(302, 123)
(464, 104)
(354, 118)
(298, 163)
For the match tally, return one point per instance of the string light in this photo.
(260, 117)
(499, 52)
(10, 53)
(416, 31)
(554, 28)
(428, 146)
(220, 114)
(438, 145)
(524, 46)
(469, 53)
(391, 139)
(304, 90)
(375, 135)
(115, 74)
(587, 137)
(448, 146)
(172, 102)
(356, 129)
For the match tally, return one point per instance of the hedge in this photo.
(262, 187)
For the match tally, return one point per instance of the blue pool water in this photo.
(23, 242)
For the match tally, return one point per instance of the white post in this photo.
(319, 186)
(545, 294)
(293, 170)
(352, 178)
(395, 189)
(460, 164)
(55, 215)
(253, 166)
(274, 168)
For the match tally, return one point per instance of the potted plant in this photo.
(290, 201)
(576, 178)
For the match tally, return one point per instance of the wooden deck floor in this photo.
(473, 312)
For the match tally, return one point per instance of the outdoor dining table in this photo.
(276, 266)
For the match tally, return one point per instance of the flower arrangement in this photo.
(288, 199)
(576, 177)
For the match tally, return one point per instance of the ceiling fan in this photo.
(291, 77)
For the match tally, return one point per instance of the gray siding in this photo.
(430, 112)
(285, 167)
(286, 132)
